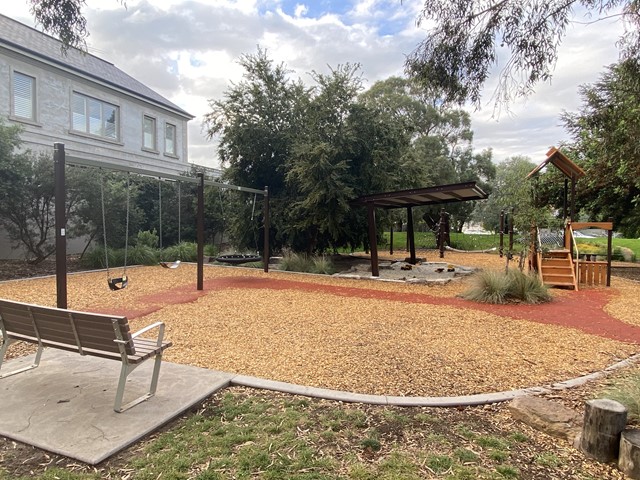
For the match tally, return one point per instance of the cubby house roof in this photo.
(561, 162)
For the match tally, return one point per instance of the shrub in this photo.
(211, 250)
(515, 286)
(488, 287)
(142, 254)
(147, 238)
(95, 258)
(294, 262)
(184, 251)
(323, 265)
(626, 390)
(526, 287)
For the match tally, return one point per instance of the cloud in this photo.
(188, 51)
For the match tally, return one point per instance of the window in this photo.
(93, 116)
(149, 133)
(170, 139)
(24, 96)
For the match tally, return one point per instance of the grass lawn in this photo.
(248, 434)
(461, 241)
(466, 241)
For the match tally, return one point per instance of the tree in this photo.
(63, 19)
(27, 196)
(457, 56)
(512, 191)
(605, 135)
(257, 122)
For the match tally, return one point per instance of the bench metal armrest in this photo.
(159, 325)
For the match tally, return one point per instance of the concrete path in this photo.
(65, 405)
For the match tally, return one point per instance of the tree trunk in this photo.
(604, 420)
(629, 459)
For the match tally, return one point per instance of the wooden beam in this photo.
(600, 225)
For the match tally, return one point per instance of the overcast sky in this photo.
(187, 50)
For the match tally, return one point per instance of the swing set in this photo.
(117, 283)
(175, 263)
(121, 282)
(236, 258)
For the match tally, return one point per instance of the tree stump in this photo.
(604, 420)
(629, 459)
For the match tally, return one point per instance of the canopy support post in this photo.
(411, 236)
(373, 242)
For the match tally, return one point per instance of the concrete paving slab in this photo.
(65, 405)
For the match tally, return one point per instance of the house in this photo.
(96, 110)
(99, 112)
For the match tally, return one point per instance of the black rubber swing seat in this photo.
(237, 259)
(118, 283)
(175, 264)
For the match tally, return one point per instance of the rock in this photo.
(627, 254)
(549, 417)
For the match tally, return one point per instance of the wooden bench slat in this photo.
(98, 335)
(56, 325)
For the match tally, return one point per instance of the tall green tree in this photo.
(606, 143)
(460, 51)
(513, 192)
(27, 196)
(257, 122)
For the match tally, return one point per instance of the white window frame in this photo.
(153, 145)
(92, 120)
(33, 117)
(171, 142)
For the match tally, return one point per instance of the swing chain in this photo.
(160, 211)
(104, 224)
(126, 230)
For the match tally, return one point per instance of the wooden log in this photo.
(604, 421)
(629, 459)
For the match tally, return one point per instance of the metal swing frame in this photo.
(172, 172)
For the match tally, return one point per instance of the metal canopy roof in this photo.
(415, 197)
(561, 162)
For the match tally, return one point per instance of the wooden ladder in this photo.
(557, 269)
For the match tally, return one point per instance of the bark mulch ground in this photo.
(364, 336)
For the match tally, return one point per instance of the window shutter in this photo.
(23, 96)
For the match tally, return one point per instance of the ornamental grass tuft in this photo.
(514, 286)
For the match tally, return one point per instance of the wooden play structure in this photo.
(556, 258)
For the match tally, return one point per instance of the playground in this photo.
(363, 336)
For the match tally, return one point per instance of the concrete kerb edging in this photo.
(458, 401)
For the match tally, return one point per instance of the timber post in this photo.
(60, 224)
(604, 421)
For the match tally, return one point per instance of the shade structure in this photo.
(414, 197)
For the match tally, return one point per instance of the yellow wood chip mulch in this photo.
(365, 345)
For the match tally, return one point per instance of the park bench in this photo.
(93, 334)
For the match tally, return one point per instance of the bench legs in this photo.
(124, 373)
(3, 351)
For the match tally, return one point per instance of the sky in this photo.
(188, 51)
